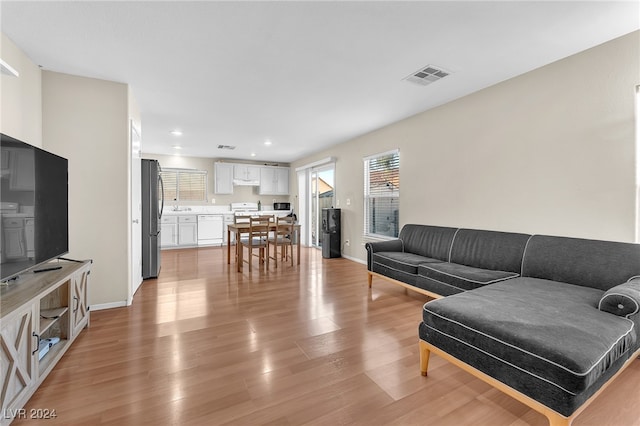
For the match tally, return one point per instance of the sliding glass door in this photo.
(322, 183)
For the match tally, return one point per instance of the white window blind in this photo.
(382, 195)
(184, 185)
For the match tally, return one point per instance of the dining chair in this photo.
(256, 239)
(239, 219)
(282, 237)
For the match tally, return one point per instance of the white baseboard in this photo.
(110, 305)
(355, 259)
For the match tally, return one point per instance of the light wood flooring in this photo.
(309, 344)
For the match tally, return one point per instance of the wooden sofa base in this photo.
(405, 285)
(555, 418)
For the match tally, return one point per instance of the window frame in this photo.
(178, 172)
(394, 194)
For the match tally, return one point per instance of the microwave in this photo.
(282, 206)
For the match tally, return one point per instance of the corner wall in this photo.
(548, 152)
(87, 121)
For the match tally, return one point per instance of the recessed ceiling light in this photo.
(253, 154)
(176, 133)
(177, 147)
(267, 142)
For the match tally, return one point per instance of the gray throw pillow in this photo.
(622, 300)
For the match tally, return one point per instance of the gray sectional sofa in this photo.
(548, 320)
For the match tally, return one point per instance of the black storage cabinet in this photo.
(331, 231)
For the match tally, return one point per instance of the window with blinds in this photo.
(184, 185)
(382, 195)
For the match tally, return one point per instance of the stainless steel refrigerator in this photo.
(152, 205)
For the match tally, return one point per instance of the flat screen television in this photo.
(34, 206)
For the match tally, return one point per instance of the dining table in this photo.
(243, 228)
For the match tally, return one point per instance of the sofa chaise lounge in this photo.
(549, 320)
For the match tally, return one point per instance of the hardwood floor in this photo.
(308, 344)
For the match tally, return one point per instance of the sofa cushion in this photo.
(593, 263)
(500, 251)
(622, 300)
(461, 276)
(401, 261)
(543, 338)
(428, 241)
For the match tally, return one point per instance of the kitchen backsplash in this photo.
(170, 208)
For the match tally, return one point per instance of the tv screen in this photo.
(34, 222)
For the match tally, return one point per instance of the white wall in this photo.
(86, 121)
(548, 152)
(21, 97)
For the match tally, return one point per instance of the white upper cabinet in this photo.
(246, 174)
(223, 178)
(274, 181)
(270, 180)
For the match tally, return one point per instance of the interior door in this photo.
(136, 212)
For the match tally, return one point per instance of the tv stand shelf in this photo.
(37, 306)
(49, 317)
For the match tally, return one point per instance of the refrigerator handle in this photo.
(162, 197)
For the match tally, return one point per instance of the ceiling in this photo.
(303, 75)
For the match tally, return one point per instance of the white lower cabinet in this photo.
(169, 231)
(187, 230)
(178, 231)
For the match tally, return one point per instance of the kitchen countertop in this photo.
(195, 210)
(171, 212)
(183, 213)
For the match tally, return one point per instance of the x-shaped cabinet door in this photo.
(16, 360)
(79, 306)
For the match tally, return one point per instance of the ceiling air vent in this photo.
(427, 75)
(226, 147)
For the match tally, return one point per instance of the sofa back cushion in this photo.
(428, 241)
(590, 263)
(498, 251)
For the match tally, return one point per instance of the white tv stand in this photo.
(52, 305)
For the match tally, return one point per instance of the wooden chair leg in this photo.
(370, 278)
(275, 255)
